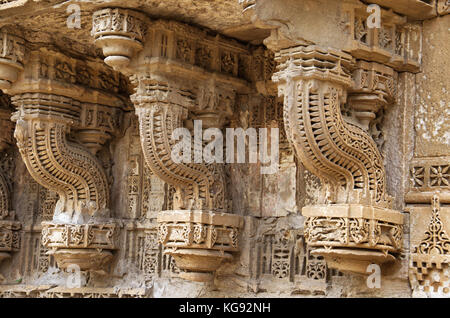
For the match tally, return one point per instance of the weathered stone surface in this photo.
(92, 203)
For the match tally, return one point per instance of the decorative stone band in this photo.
(350, 237)
(199, 241)
(50, 291)
(12, 52)
(93, 236)
(52, 72)
(428, 175)
(199, 230)
(9, 236)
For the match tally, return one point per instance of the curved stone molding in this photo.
(12, 53)
(42, 123)
(199, 241)
(344, 157)
(120, 33)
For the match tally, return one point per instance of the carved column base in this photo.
(351, 236)
(88, 246)
(199, 241)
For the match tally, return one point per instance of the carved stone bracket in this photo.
(162, 59)
(57, 95)
(396, 43)
(120, 33)
(373, 89)
(314, 83)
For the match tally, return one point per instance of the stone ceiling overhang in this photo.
(46, 20)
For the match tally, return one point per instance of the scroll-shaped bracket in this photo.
(314, 83)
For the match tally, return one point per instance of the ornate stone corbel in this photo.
(54, 97)
(167, 99)
(120, 33)
(354, 225)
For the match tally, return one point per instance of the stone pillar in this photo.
(355, 225)
(53, 97)
(180, 74)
